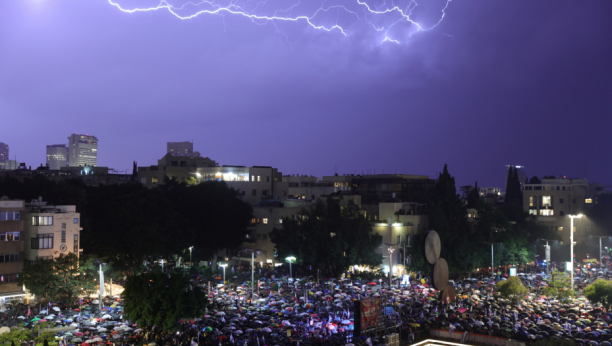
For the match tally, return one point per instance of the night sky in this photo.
(519, 82)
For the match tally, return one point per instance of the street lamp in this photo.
(161, 261)
(101, 286)
(223, 266)
(290, 259)
(190, 249)
(600, 236)
(252, 251)
(547, 254)
(492, 261)
(390, 249)
(572, 217)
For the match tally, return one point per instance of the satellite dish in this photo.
(432, 247)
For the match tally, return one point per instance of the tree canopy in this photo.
(599, 292)
(328, 237)
(65, 277)
(512, 288)
(156, 298)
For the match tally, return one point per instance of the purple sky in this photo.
(496, 82)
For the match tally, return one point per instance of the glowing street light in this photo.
(572, 217)
(190, 249)
(290, 259)
(492, 261)
(223, 265)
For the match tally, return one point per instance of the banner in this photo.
(370, 311)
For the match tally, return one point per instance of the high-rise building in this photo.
(180, 148)
(57, 156)
(4, 152)
(82, 150)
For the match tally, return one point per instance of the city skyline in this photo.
(493, 84)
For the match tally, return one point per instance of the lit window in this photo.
(533, 212)
(546, 212)
(75, 220)
(574, 228)
(280, 220)
(546, 201)
(265, 220)
(153, 180)
(560, 228)
(588, 200)
(258, 178)
(531, 201)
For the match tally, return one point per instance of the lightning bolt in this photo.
(360, 11)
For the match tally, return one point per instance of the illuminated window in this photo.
(560, 228)
(10, 215)
(153, 180)
(531, 201)
(546, 212)
(533, 212)
(280, 220)
(588, 200)
(252, 178)
(265, 220)
(574, 228)
(546, 201)
(258, 178)
(42, 221)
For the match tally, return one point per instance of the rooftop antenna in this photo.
(335, 169)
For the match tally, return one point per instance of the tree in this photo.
(513, 201)
(599, 292)
(559, 286)
(65, 277)
(512, 288)
(155, 298)
(329, 238)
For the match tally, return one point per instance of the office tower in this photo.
(180, 148)
(57, 156)
(4, 152)
(82, 150)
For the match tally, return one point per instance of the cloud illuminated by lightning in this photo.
(382, 18)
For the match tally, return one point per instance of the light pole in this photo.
(390, 249)
(190, 249)
(101, 286)
(223, 266)
(161, 261)
(547, 254)
(572, 217)
(600, 236)
(492, 258)
(290, 259)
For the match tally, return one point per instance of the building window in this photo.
(280, 221)
(10, 236)
(8, 278)
(154, 180)
(531, 201)
(533, 212)
(258, 178)
(573, 200)
(44, 258)
(42, 220)
(254, 193)
(63, 236)
(546, 201)
(560, 200)
(9, 257)
(63, 225)
(546, 212)
(560, 228)
(10, 215)
(268, 179)
(183, 163)
(561, 213)
(75, 220)
(76, 243)
(574, 228)
(265, 253)
(265, 220)
(252, 178)
(43, 241)
(174, 163)
(588, 200)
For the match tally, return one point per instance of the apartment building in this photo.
(552, 200)
(51, 230)
(11, 248)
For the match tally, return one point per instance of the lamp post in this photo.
(101, 286)
(161, 261)
(290, 259)
(547, 254)
(600, 236)
(572, 217)
(223, 265)
(190, 249)
(492, 258)
(390, 249)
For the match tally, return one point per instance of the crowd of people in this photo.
(304, 311)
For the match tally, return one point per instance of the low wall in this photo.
(481, 339)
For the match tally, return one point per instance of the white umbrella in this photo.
(21, 317)
(55, 308)
(107, 316)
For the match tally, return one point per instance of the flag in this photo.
(464, 337)
(369, 341)
(193, 343)
(232, 338)
(28, 311)
(451, 328)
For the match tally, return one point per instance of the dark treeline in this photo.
(124, 224)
